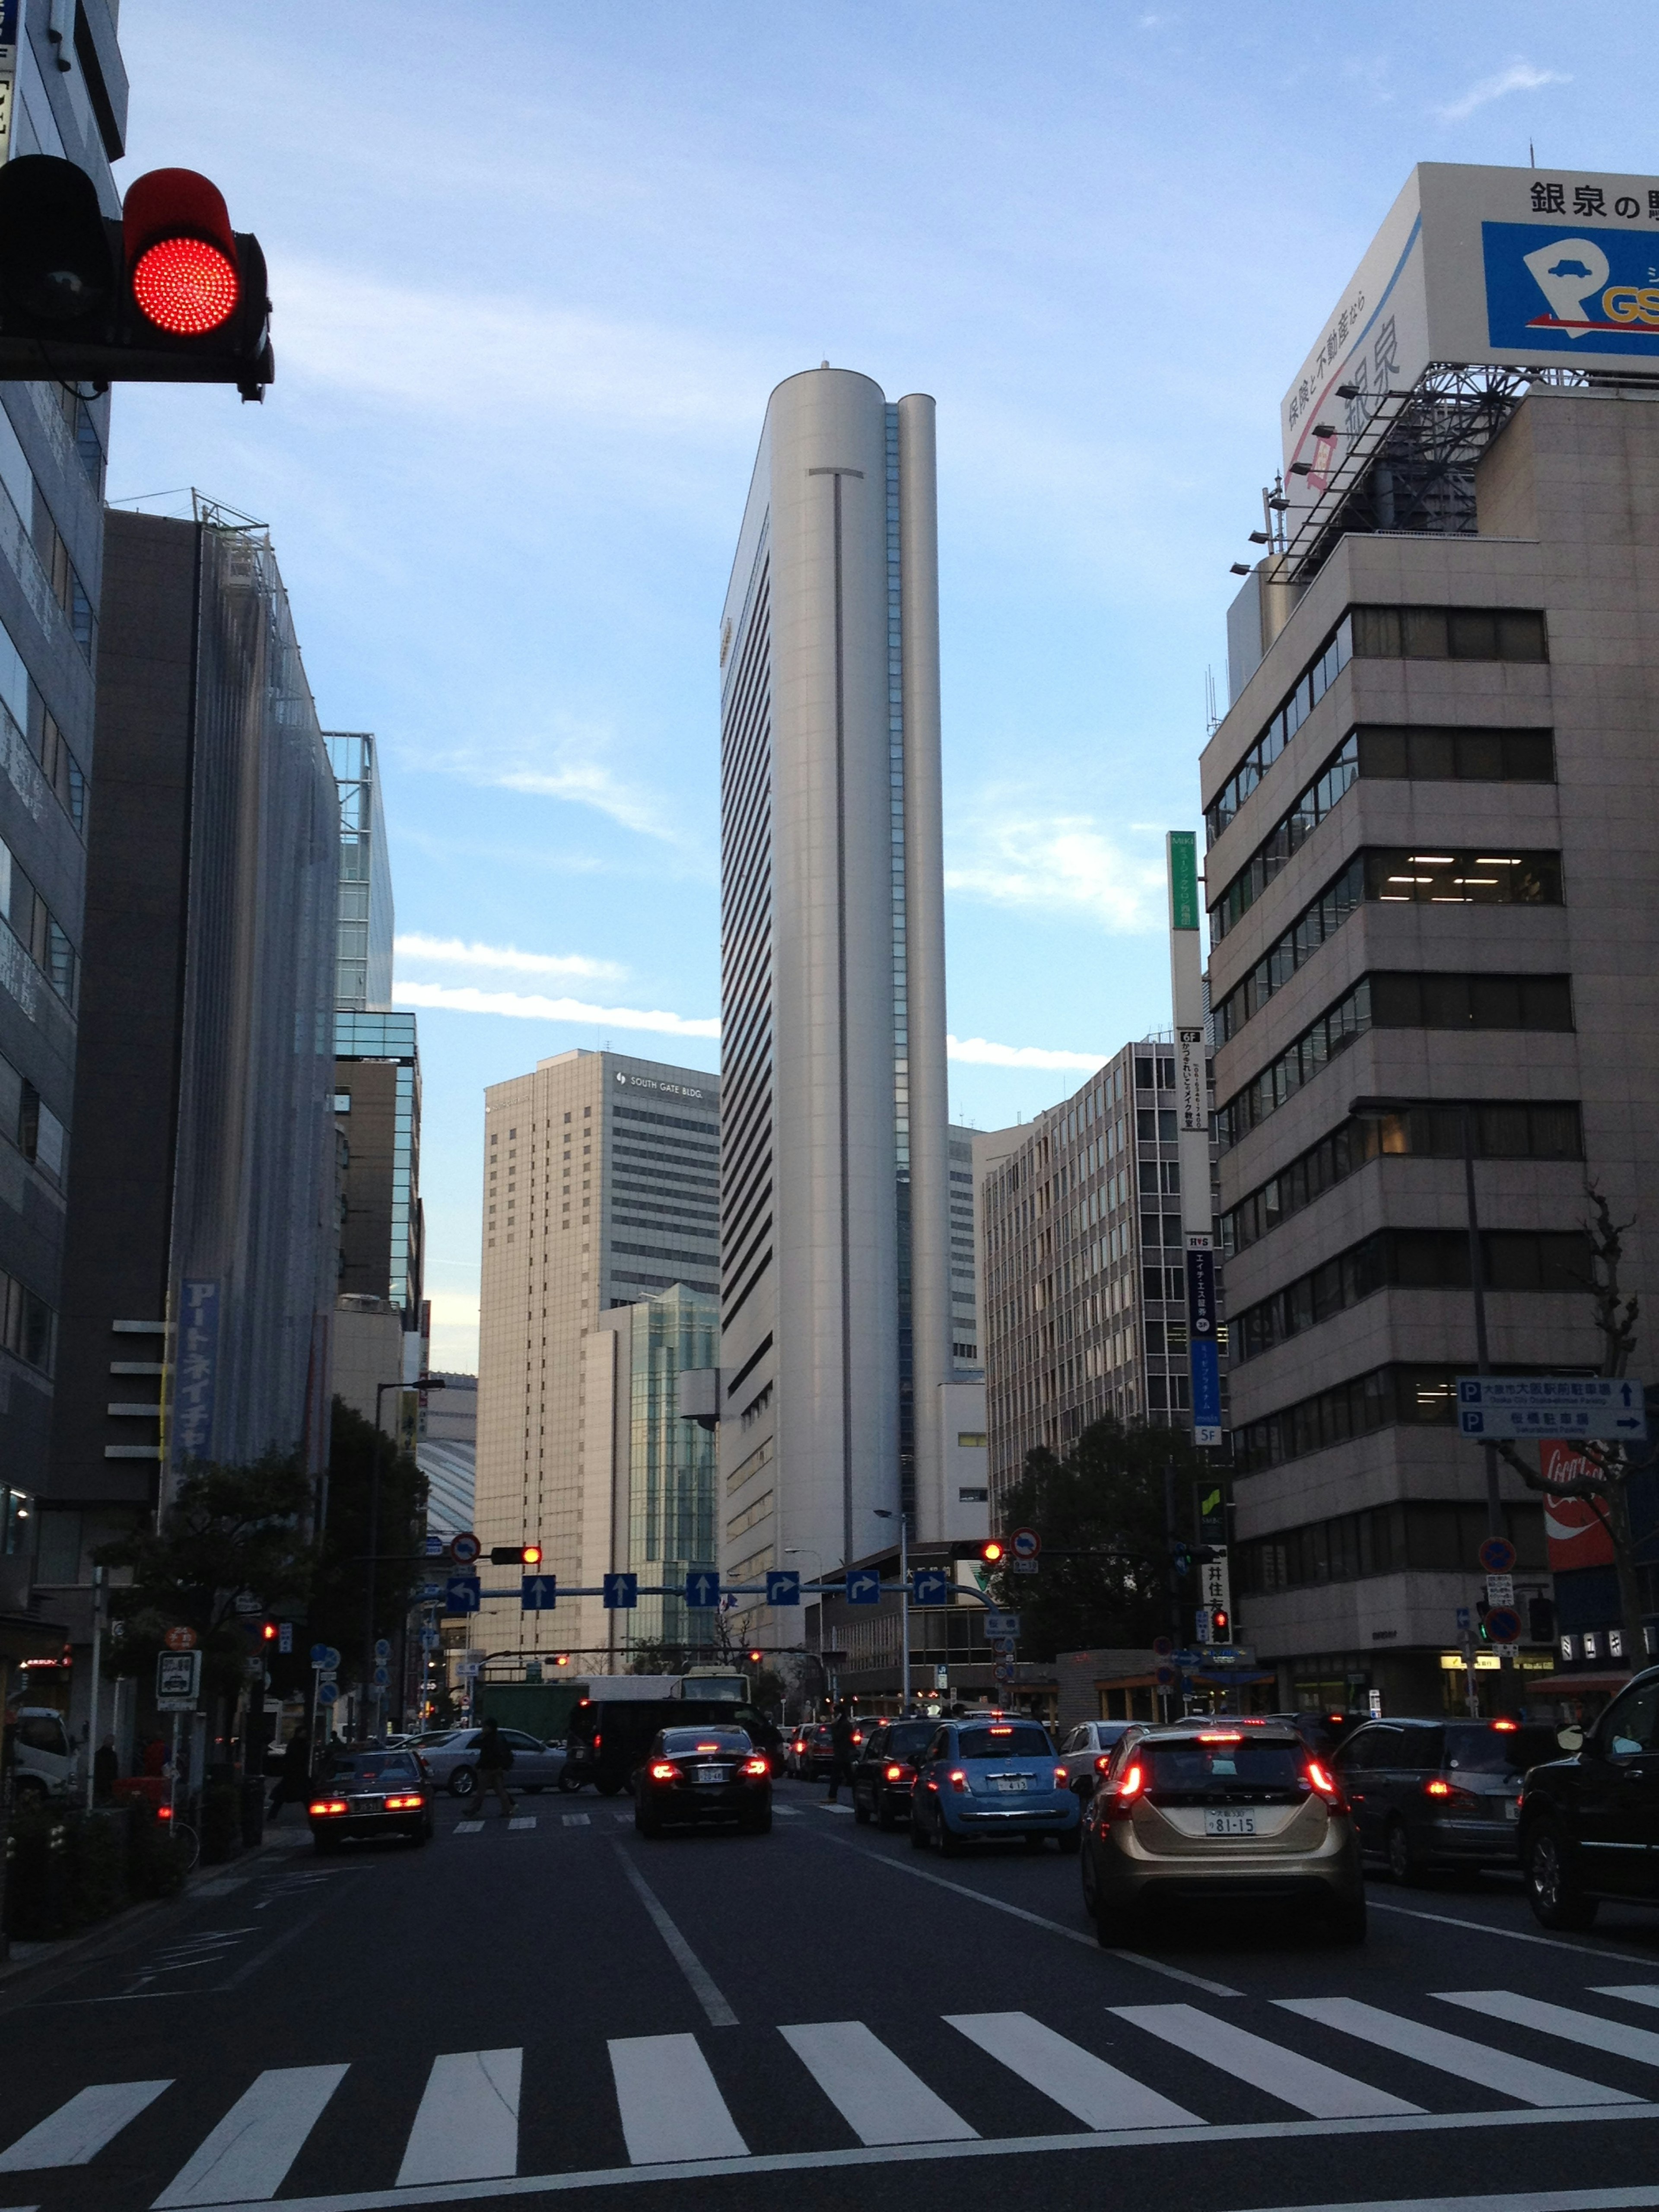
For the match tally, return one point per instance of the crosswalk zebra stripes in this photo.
(671, 2110)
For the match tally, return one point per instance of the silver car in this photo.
(1085, 1753)
(454, 1763)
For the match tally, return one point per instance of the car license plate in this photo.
(1512, 1809)
(712, 1774)
(1008, 1783)
(1230, 1824)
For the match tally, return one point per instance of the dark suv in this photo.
(1589, 1823)
(884, 1770)
(1431, 1794)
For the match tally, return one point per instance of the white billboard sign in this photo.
(1515, 267)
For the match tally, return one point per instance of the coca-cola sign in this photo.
(1575, 1531)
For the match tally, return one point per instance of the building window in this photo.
(1396, 998)
(1387, 1396)
(343, 1101)
(1502, 1131)
(972, 1439)
(1427, 1537)
(1390, 876)
(974, 1497)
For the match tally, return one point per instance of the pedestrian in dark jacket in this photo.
(841, 1749)
(105, 1772)
(495, 1757)
(294, 1780)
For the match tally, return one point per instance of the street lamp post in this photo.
(883, 1513)
(420, 1382)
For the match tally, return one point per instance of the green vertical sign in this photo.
(1181, 847)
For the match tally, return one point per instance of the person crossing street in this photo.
(495, 1758)
(841, 1747)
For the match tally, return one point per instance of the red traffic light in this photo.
(180, 251)
(532, 1555)
(757, 1656)
(269, 1631)
(992, 1552)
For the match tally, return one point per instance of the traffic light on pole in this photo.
(169, 294)
(992, 1552)
(515, 1555)
(1221, 1625)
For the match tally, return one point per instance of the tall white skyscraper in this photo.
(834, 1227)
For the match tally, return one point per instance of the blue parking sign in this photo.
(782, 1586)
(622, 1593)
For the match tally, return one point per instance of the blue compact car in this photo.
(992, 1779)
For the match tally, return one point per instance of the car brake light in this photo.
(164, 1811)
(707, 1747)
(663, 1770)
(958, 1780)
(897, 1773)
(1438, 1788)
(1509, 1727)
(1132, 1782)
(597, 1739)
(754, 1767)
(1102, 1762)
(1002, 1731)
(1319, 1780)
(329, 1805)
(1061, 1777)
(1220, 1736)
(404, 1804)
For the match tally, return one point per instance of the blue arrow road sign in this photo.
(929, 1586)
(622, 1592)
(782, 1586)
(537, 1593)
(703, 1590)
(863, 1586)
(462, 1594)
(1462, 1616)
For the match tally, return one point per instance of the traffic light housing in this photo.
(992, 1552)
(1221, 1625)
(515, 1555)
(169, 294)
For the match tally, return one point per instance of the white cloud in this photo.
(980, 1054)
(573, 769)
(1520, 76)
(454, 953)
(455, 1331)
(1066, 863)
(528, 1007)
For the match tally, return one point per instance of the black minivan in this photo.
(1589, 1822)
(1429, 1793)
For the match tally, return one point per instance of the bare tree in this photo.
(1607, 1469)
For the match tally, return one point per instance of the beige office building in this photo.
(601, 1190)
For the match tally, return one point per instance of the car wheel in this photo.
(464, 1782)
(647, 1824)
(860, 1810)
(569, 1782)
(761, 1825)
(886, 1819)
(608, 1789)
(1345, 1920)
(1070, 1841)
(918, 1835)
(951, 1845)
(419, 1836)
(325, 1846)
(1552, 1889)
(1404, 1864)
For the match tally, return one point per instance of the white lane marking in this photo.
(622, 1819)
(670, 2104)
(1507, 1934)
(469, 1827)
(1318, 2090)
(786, 1812)
(1091, 2090)
(1476, 2062)
(1268, 2133)
(573, 1820)
(247, 2157)
(871, 2087)
(1583, 2029)
(826, 1806)
(703, 1987)
(78, 2131)
(1036, 1919)
(467, 2127)
(1642, 1993)
(522, 1820)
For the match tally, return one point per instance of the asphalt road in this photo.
(558, 2009)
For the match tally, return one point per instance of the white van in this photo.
(44, 1762)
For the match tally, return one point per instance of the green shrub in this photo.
(36, 1874)
(97, 1865)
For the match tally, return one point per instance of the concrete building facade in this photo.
(836, 1283)
(601, 1188)
(1085, 1295)
(1432, 874)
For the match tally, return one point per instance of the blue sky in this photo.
(536, 269)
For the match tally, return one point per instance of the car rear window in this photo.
(374, 1767)
(1499, 1751)
(678, 1742)
(1177, 1767)
(910, 1737)
(1011, 1740)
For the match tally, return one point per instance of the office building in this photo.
(1433, 878)
(663, 1480)
(601, 1189)
(66, 96)
(836, 1287)
(1086, 1298)
(377, 1103)
(199, 1264)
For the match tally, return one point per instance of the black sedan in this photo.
(884, 1770)
(1589, 1823)
(694, 1775)
(370, 1793)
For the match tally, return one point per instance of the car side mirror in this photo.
(1572, 1737)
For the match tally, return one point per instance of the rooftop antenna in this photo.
(1211, 720)
(1531, 156)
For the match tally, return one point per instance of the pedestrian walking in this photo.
(841, 1749)
(294, 1780)
(106, 1769)
(495, 1758)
